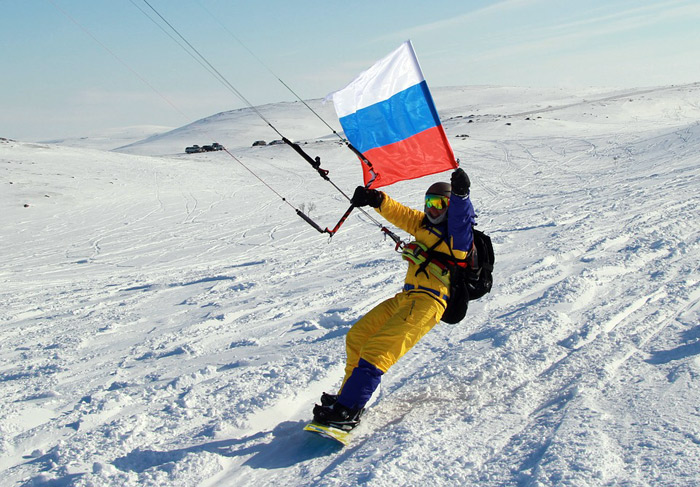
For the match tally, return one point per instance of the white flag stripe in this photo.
(391, 75)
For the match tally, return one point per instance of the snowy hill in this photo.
(168, 320)
(238, 129)
(112, 139)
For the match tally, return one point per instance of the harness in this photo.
(419, 254)
(437, 263)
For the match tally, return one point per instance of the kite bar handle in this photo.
(310, 221)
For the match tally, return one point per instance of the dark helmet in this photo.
(443, 189)
(440, 189)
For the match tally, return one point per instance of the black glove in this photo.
(365, 197)
(460, 182)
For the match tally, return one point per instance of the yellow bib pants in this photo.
(391, 329)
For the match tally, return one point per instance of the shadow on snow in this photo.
(288, 446)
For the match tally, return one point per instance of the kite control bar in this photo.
(316, 164)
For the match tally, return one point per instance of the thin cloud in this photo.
(572, 34)
(634, 18)
(499, 8)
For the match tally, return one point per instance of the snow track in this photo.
(168, 321)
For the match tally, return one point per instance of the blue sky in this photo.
(75, 68)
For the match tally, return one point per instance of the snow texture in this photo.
(168, 320)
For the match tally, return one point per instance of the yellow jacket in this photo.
(414, 222)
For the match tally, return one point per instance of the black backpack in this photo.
(467, 284)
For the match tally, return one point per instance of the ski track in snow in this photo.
(169, 321)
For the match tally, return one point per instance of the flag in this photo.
(389, 116)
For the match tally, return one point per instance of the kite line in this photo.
(314, 162)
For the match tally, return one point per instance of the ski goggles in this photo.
(436, 201)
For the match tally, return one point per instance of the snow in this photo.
(168, 320)
(114, 138)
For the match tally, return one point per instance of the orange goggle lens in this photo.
(436, 201)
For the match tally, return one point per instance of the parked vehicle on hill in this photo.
(213, 147)
(205, 148)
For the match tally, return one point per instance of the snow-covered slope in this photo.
(238, 129)
(114, 138)
(170, 321)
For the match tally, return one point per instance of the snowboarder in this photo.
(380, 338)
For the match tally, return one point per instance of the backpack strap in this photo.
(438, 263)
(429, 256)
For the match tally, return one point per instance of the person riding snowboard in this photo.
(381, 337)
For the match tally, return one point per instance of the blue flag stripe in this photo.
(400, 117)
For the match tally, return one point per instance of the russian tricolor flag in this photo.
(389, 116)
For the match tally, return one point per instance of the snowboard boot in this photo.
(328, 399)
(337, 416)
